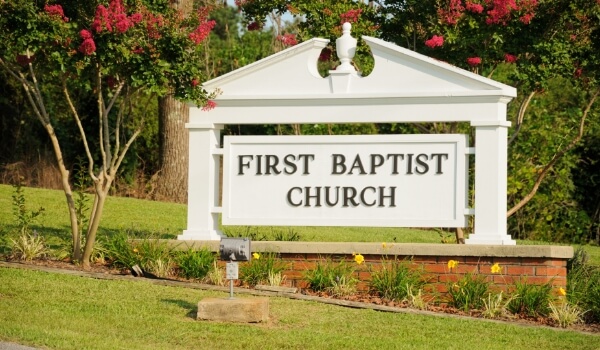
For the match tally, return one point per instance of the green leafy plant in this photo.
(416, 300)
(258, 269)
(564, 313)
(468, 292)
(328, 276)
(161, 267)
(495, 305)
(28, 247)
(120, 252)
(193, 263)
(583, 286)
(216, 275)
(24, 218)
(396, 280)
(531, 299)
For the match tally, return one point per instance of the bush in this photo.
(531, 299)
(259, 268)
(195, 263)
(396, 280)
(583, 285)
(28, 247)
(334, 278)
(469, 292)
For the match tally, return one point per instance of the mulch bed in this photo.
(360, 300)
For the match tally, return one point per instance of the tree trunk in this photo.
(173, 157)
(172, 181)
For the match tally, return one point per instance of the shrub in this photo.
(259, 268)
(195, 263)
(120, 252)
(565, 313)
(469, 292)
(583, 285)
(331, 277)
(28, 247)
(531, 299)
(496, 305)
(396, 280)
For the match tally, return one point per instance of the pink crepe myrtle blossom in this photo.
(435, 41)
(87, 47)
(138, 50)
(473, 7)
(195, 82)
(201, 32)
(210, 104)
(510, 58)
(452, 13)
(136, 18)
(350, 16)
(474, 61)
(56, 11)
(85, 34)
(288, 39)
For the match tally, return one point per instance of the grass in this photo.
(67, 312)
(167, 220)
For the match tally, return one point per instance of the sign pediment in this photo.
(398, 72)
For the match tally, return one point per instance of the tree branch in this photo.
(521, 116)
(555, 158)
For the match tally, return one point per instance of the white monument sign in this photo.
(387, 180)
(404, 87)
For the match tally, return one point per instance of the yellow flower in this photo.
(383, 245)
(496, 268)
(562, 291)
(135, 250)
(256, 256)
(452, 264)
(359, 259)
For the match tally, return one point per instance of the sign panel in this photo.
(366, 180)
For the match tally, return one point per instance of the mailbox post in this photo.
(233, 250)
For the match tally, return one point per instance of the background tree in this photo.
(538, 47)
(114, 53)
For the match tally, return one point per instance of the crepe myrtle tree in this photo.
(115, 52)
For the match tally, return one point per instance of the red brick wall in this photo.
(435, 268)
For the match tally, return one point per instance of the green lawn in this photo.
(167, 220)
(67, 312)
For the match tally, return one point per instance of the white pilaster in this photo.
(203, 183)
(490, 183)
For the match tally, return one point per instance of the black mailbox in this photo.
(235, 249)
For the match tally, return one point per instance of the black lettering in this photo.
(422, 167)
(376, 161)
(316, 196)
(362, 196)
(306, 158)
(339, 160)
(289, 197)
(271, 162)
(242, 165)
(357, 164)
(290, 166)
(409, 164)
(327, 196)
(259, 164)
(391, 196)
(349, 194)
(438, 167)
(395, 161)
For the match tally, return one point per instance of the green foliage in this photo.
(29, 247)
(24, 218)
(396, 280)
(583, 285)
(469, 292)
(259, 268)
(120, 252)
(496, 305)
(195, 264)
(255, 233)
(531, 299)
(331, 277)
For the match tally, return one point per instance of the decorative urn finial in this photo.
(345, 48)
